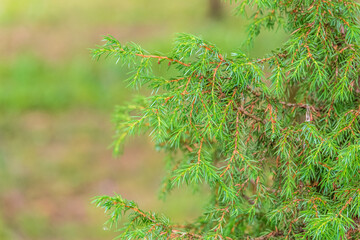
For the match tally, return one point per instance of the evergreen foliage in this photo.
(276, 139)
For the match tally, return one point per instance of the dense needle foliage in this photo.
(276, 139)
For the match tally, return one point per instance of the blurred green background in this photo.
(56, 105)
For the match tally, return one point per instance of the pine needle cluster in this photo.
(277, 139)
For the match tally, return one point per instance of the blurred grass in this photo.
(29, 82)
(56, 105)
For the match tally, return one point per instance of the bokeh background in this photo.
(56, 107)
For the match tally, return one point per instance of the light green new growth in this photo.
(276, 139)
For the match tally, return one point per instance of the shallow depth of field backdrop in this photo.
(56, 105)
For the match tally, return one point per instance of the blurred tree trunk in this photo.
(215, 9)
